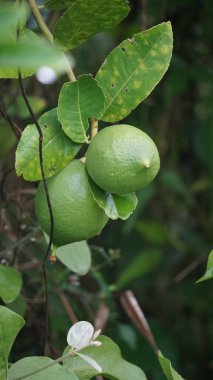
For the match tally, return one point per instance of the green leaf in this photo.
(76, 257)
(29, 53)
(115, 206)
(209, 270)
(143, 263)
(84, 19)
(79, 101)
(170, 372)
(59, 4)
(10, 283)
(19, 306)
(20, 109)
(7, 138)
(10, 325)
(27, 365)
(10, 17)
(10, 72)
(133, 69)
(153, 232)
(58, 149)
(108, 356)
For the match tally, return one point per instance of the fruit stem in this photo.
(52, 257)
(48, 35)
(94, 127)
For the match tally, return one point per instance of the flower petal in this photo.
(95, 343)
(80, 335)
(96, 334)
(90, 361)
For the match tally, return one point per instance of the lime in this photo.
(76, 215)
(122, 159)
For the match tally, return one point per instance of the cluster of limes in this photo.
(120, 159)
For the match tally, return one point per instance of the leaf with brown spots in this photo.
(133, 69)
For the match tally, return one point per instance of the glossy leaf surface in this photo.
(79, 101)
(108, 356)
(31, 364)
(58, 149)
(115, 206)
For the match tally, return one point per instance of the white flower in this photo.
(82, 335)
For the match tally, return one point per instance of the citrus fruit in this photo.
(76, 215)
(122, 159)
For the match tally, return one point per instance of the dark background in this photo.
(162, 249)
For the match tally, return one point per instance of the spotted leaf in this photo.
(59, 4)
(58, 149)
(133, 69)
(84, 19)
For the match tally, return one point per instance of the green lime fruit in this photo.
(76, 215)
(122, 159)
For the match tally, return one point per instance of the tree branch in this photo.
(48, 202)
(17, 131)
(48, 35)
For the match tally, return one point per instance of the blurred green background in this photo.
(162, 249)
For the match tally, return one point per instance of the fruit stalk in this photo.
(94, 127)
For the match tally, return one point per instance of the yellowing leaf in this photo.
(133, 69)
(84, 19)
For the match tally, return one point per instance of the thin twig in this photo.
(190, 268)
(2, 182)
(48, 202)
(67, 306)
(48, 35)
(40, 21)
(41, 165)
(17, 131)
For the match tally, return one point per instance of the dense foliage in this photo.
(162, 249)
